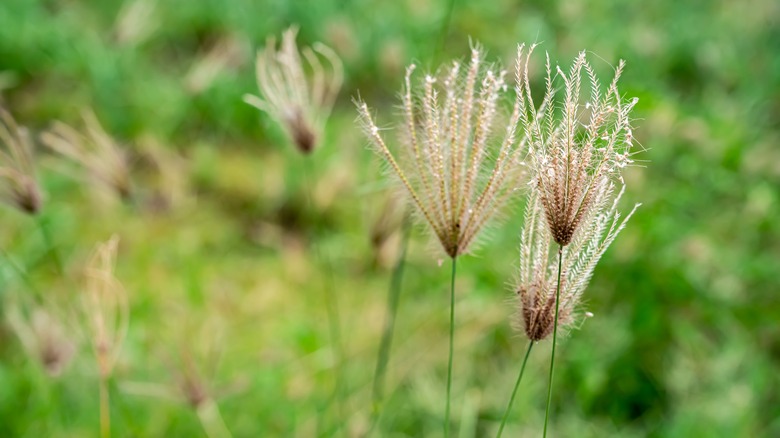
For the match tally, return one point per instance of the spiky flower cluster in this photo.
(298, 93)
(105, 306)
(457, 162)
(43, 337)
(576, 149)
(573, 198)
(95, 150)
(20, 188)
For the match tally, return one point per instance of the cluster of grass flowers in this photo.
(456, 164)
(458, 174)
(17, 170)
(97, 152)
(296, 89)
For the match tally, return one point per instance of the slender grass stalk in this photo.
(555, 337)
(393, 296)
(514, 391)
(105, 409)
(51, 249)
(20, 272)
(127, 417)
(445, 28)
(211, 420)
(452, 337)
(331, 305)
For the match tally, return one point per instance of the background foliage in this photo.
(217, 249)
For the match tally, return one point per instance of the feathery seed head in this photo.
(105, 306)
(95, 151)
(43, 337)
(577, 150)
(297, 91)
(456, 161)
(537, 278)
(17, 170)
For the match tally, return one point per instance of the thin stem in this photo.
(211, 419)
(514, 391)
(50, 248)
(20, 272)
(331, 305)
(452, 337)
(445, 28)
(393, 297)
(105, 414)
(555, 336)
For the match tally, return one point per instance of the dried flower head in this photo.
(573, 198)
(43, 337)
(96, 151)
(458, 162)
(105, 306)
(297, 92)
(21, 187)
(576, 148)
(539, 261)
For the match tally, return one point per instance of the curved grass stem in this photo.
(50, 248)
(105, 409)
(452, 337)
(555, 337)
(393, 296)
(514, 391)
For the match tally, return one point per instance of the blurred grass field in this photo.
(217, 249)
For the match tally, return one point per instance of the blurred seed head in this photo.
(95, 151)
(43, 337)
(296, 90)
(135, 22)
(227, 53)
(459, 149)
(19, 186)
(577, 149)
(105, 306)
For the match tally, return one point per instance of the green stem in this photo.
(514, 391)
(452, 337)
(20, 272)
(51, 249)
(445, 28)
(105, 413)
(555, 337)
(331, 305)
(393, 297)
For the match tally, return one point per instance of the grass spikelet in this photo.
(95, 151)
(20, 188)
(43, 336)
(576, 148)
(296, 89)
(456, 163)
(577, 153)
(106, 311)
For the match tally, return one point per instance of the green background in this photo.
(218, 251)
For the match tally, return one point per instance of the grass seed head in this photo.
(458, 151)
(17, 170)
(95, 151)
(577, 148)
(105, 306)
(43, 337)
(577, 153)
(296, 89)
